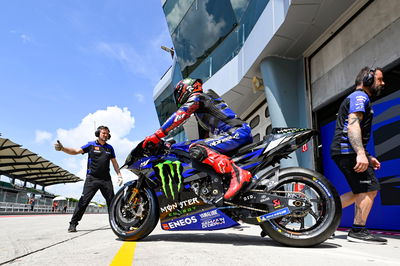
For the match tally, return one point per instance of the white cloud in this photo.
(42, 136)
(139, 97)
(25, 38)
(120, 122)
(129, 58)
(239, 4)
(144, 61)
(207, 25)
(178, 11)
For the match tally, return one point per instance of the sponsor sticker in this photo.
(180, 205)
(180, 223)
(323, 187)
(208, 214)
(273, 215)
(213, 222)
(249, 197)
(143, 164)
(224, 139)
(211, 219)
(171, 177)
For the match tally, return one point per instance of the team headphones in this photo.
(97, 132)
(369, 78)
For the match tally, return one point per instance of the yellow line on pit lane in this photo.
(125, 254)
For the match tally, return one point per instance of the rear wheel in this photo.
(313, 225)
(133, 218)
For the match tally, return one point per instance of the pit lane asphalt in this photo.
(44, 240)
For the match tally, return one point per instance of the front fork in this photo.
(133, 186)
(131, 200)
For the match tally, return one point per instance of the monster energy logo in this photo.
(170, 173)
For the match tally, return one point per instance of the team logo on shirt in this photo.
(360, 101)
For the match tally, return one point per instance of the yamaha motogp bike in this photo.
(294, 206)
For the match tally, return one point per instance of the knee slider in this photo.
(198, 153)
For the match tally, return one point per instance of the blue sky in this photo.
(69, 66)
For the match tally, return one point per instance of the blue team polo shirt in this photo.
(99, 157)
(358, 101)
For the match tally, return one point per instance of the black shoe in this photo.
(72, 228)
(364, 236)
(332, 236)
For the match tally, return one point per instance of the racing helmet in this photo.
(185, 88)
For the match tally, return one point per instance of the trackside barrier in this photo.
(10, 208)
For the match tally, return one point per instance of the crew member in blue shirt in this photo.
(100, 153)
(348, 150)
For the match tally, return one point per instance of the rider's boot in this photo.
(239, 177)
(222, 164)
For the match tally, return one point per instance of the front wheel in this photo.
(315, 224)
(133, 218)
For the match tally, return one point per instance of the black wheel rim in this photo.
(130, 216)
(303, 224)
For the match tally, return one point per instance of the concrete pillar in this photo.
(286, 96)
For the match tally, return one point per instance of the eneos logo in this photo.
(179, 223)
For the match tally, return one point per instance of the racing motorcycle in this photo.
(294, 206)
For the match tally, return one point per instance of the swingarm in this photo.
(271, 205)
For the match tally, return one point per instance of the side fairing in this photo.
(180, 207)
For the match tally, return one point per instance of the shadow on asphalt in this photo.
(220, 238)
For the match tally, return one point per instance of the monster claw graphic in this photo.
(171, 171)
(161, 173)
(178, 171)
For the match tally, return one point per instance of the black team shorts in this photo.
(358, 182)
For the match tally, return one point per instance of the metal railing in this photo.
(10, 207)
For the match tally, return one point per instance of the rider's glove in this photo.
(120, 180)
(155, 138)
(58, 146)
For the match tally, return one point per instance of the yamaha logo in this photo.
(143, 164)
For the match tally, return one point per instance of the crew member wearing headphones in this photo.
(348, 150)
(100, 153)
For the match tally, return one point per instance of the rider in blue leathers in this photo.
(226, 131)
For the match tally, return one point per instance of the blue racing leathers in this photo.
(226, 131)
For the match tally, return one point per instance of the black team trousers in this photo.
(91, 186)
